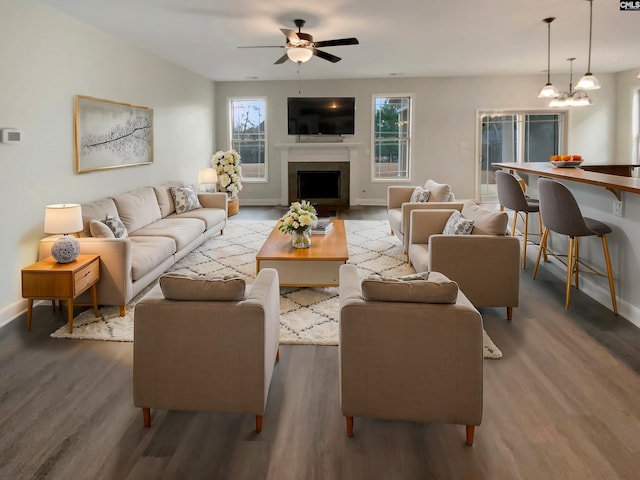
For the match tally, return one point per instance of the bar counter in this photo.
(614, 183)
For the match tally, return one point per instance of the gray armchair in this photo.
(215, 356)
(409, 361)
(399, 206)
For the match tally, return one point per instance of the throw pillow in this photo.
(439, 192)
(424, 287)
(185, 199)
(100, 230)
(458, 225)
(228, 288)
(485, 222)
(419, 195)
(116, 226)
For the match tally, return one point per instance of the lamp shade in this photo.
(63, 218)
(299, 54)
(207, 176)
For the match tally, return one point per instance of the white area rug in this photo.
(307, 315)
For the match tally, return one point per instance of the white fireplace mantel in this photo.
(317, 152)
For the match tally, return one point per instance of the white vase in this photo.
(301, 239)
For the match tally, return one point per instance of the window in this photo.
(249, 137)
(517, 137)
(391, 137)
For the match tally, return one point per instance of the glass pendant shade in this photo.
(548, 91)
(588, 82)
(299, 54)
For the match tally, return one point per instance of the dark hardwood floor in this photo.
(562, 403)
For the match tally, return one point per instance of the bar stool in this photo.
(512, 196)
(561, 214)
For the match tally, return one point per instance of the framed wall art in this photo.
(111, 134)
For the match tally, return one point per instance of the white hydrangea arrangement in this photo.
(227, 165)
(300, 217)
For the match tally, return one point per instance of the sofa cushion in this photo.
(425, 287)
(97, 210)
(485, 222)
(210, 216)
(185, 199)
(116, 226)
(458, 225)
(165, 200)
(149, 252)
(419, 195)
(138, 208)
(228, 288)
(182, 230)
(438, 192)
(100, 230)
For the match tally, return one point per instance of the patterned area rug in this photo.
(307, 315)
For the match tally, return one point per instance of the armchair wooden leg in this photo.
(146, 416)
(471, 429)
(509, 313)
(123, 310)
(278, 355)
(349, 426)
(258, 423)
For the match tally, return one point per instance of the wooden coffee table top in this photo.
(331, 246)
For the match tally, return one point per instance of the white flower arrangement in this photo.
(227, 165)
(300, 217)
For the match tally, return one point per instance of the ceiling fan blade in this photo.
(291, 35)
(337, 42)
(282, 59)
(325, 55)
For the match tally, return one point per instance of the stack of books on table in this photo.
(323, 227)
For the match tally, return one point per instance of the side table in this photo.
(50, 280)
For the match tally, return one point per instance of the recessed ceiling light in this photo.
(394, 74)
(250, 78)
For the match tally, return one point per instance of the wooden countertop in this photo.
(614, 183)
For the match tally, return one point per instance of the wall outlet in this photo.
(617, 208)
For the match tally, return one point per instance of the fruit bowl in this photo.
(566, 161)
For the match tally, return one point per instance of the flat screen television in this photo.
(321, 115)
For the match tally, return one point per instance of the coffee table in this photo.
(316, 266)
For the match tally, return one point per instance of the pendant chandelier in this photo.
(548, 91)
(572, 98)
(589, 81)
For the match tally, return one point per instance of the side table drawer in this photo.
(86, 276)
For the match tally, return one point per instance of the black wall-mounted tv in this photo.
(321, 115)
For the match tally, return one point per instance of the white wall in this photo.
(47, 59)
(628, 90)
(444, 135)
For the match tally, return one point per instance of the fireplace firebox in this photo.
(324, 184)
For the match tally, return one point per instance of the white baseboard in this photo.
(12, 311)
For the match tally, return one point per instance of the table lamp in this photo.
(64, 218)
(207, 176)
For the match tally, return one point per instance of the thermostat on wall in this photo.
(10, 135)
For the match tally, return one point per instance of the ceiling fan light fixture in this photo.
(299, 54)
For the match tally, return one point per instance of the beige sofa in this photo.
(157, 237)
(409, 361)
(194, 353)
(485, 264)
(399, 206)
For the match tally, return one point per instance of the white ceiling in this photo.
(404, 37)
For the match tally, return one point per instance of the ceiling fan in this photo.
(301, 47)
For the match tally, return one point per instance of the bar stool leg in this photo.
(576, 264)
(524, 245)
(540, 230)
(570, 260)
(612, 287)
(543, 247)
(513, 227)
